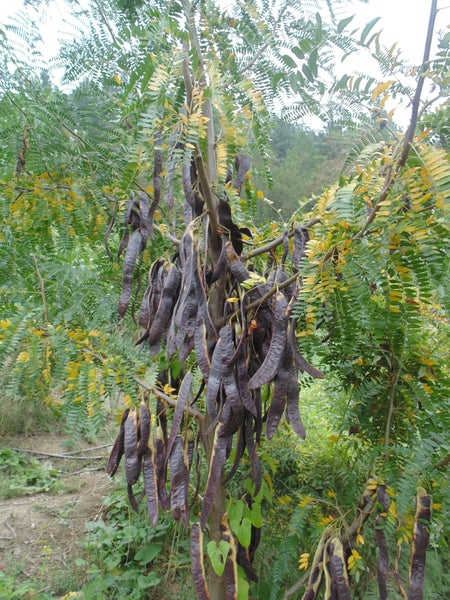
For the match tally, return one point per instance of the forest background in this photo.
(371, 282)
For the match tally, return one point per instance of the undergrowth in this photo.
(22, 475)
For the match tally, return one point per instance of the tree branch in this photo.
(279, 240)
(172, 401)
(392, 174)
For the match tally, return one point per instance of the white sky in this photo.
(402, 21)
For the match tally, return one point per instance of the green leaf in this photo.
(343, 24)
(218, 555)
(368, 28)
(244, 532)
(290, 62)
(243, 586)
(147, 553)
(298, 52)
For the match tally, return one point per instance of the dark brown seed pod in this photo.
(131, 254)
(292, 397)
(240, 449)
(132, 498)
(150, 482)
(338, 570)
(197, 564)
(163, 314)
(242, 380)
(201, 349)
(215, 473)
(254, 459)
(278, 403)
(301, 237)
(272, 361)
(132, 461)
(300, 361)
(144, 426)
(243, 560)
(242, 163)
(383, 555)
(230, 572)
(182, 400)
(219, 368)
(144, 217)
(179, 481)
(118, 448)
(421, 537)
(147, 307)
(161, 469)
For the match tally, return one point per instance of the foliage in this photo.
(22, 474)
(124, 557)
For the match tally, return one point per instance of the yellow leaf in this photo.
(360, 539)
(23, 357)
(380, 88)
(232, 300)
(436, 506)
(117, 80)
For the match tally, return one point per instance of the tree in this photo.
(172, 108)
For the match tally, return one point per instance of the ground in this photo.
(40, 535)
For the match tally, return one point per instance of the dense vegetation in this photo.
(163, 98)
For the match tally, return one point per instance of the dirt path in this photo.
(41, 534)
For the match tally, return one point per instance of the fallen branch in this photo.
(54, 455)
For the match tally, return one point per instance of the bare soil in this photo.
(40, 535)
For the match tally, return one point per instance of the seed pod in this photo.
(201, 349)
(272, 361)
(179, 481)
(150, 482)
(145, 313)
(118, 448)
(230, 572)
(214, 476)
(163, 314)
(132, 460)
(219, 367)
(242, 164)
(144, 225)
(161, 469)
(144, 426)
(254, 459)
(338, 570)
(197, 565)
(301, 237)
(316, 574)
(421, 536)
(242, 380)
(243, 560)
(183, 396)
(132, 499)
(277, 403)
(300, 361)
(131, 254)
(383, 555)
(292, 396)
(131, 218)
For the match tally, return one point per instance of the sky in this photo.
(402, 21)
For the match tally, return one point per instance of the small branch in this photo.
(442, 463)
(172, 401)
(102, 14)
(272, 291)
(54, 455)
(41, 281)
(392, 174)
(391, 410)
(277, 241)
